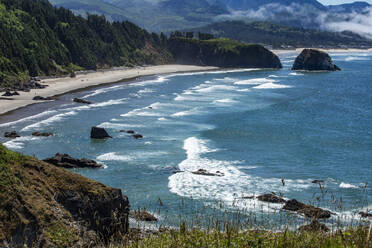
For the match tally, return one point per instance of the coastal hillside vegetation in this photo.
(39, 39)
(220, 52)
(45, 206)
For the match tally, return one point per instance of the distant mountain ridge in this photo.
(168, 15)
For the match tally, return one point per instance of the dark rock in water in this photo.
(137, 136)
(314, 60)
(177, 171)
(306, 210)
(11, 135)
(365, 215)
(203, 172)
(130, 131)
(248, 197)
(38, 134)
(318, 182)
(41, 98)
(99, 133)
(122, 131)
(65, 161)
(314, 226)
(78, 100)
(271, 198)
(142, 216)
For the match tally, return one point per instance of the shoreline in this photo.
(62, 85)
(328, 50)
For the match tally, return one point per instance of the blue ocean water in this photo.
(256, 127)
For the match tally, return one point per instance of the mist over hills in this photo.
(168, 15)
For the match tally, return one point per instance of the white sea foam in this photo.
(271, 86)
(355, 58)
(18, 143)
(226, 100)
(103, 90)
(162, 119)
(226, 79)
(45, 113)
(228, 188)
(194, 111)
(145, 90)
(296, 74)
(118, 125)
(214, 88)
(255, 81)
(158, 80)
(347, 186)
(141, 112)
(49, 121)
(112, 156)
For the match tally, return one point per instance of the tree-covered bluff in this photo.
(222, 53)
(39, 39)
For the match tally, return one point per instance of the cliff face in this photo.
(222, 53)
(44, 206)
(314, 60)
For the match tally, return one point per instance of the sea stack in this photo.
(314, 60)
(99, 133)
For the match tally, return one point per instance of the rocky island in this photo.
(314, 60)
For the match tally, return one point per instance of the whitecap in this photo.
(18, 143)
(49, 121)
(112, 156)
(255, 81)
(158, 80)
(296, 74)
(145, 90)
(354, 58)
(347, 186)
(194, 111)
(214, 88)
(272, 86)
(118, 125)
(226, 100)
(45, 113)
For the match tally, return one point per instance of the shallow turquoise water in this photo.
(255, 126)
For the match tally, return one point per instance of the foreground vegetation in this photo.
(356, 237)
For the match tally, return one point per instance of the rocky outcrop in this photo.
(39, 134)
(203, 172)
(99, 133)
(137, 136)
(314, 226)
(9, 93)
(142, 215)
(41, 98)
(11, 135)
(306, 210)
(222, 53)
(33, 83)
(45, 206)
(78, 100)
(271, 198)
(65, 161)
(314, 60)
(365, 215)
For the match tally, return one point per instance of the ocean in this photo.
(255, 127)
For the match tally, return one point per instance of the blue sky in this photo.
(327, 2)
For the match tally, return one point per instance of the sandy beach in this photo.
(58, 86)
(332, 50)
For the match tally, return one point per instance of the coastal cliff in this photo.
(222, 53)
(45, 206)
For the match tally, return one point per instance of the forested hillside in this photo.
(39, 39)
(278, 35)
